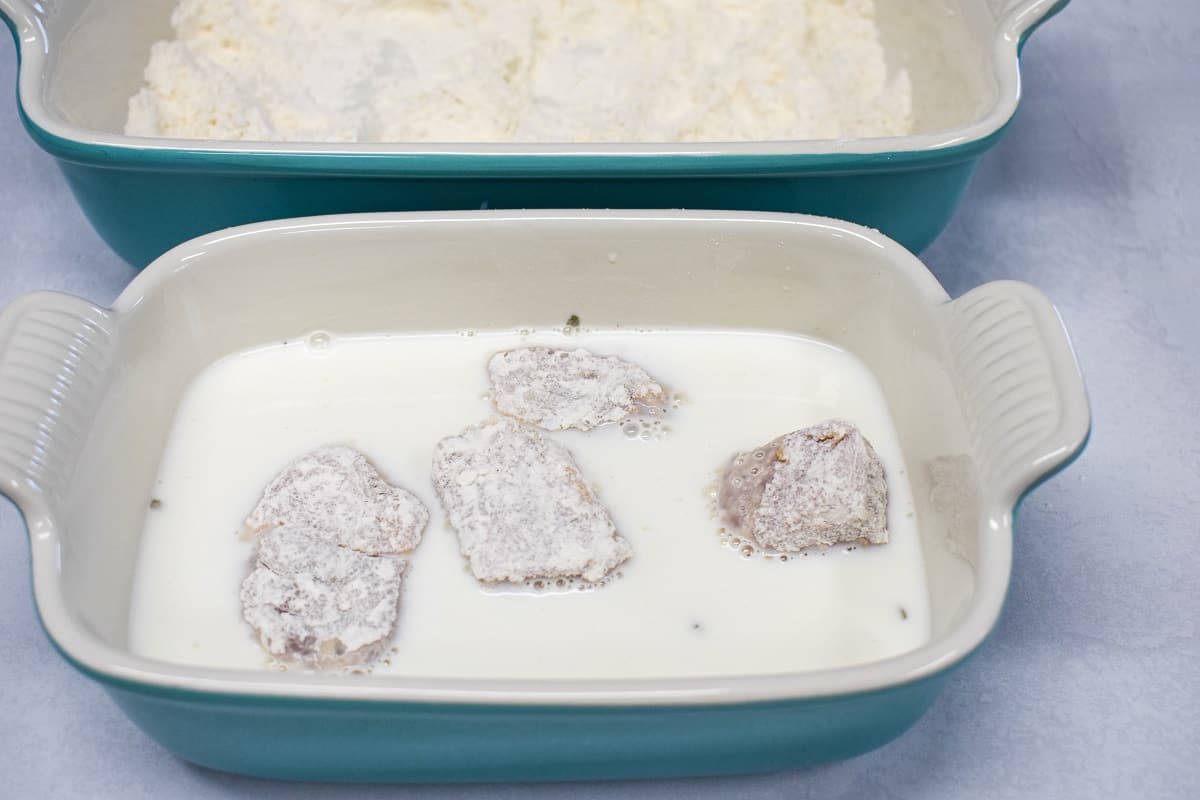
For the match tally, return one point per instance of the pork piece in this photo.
(560, 389)
(821, 485)
(315, 603)
(335, 492)
(521, 507)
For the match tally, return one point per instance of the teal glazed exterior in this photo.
(144, 203)
(142, 211)
(303, 739)
(144, 200)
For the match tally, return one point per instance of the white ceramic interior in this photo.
(83, 59)
(984, 393)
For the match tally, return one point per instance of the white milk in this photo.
(689, 602)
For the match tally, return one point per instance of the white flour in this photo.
(521, 71)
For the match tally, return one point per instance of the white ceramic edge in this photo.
(33, 42)
(89, 652)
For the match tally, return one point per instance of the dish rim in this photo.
(121, 668)
(73, 142)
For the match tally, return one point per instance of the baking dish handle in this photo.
(1020, 18)
(1022, 394)
(22, 18)
(54, 355)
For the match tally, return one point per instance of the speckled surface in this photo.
(1090, 686)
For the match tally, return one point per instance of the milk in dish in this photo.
(692, 601)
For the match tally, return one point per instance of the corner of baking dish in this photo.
(1034, 420)
(1017, 20)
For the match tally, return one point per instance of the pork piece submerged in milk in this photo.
(821, 485)
(521, 507)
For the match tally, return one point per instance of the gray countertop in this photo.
(1090, 686)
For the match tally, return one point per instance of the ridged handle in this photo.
(1025, 405)
(54, 355)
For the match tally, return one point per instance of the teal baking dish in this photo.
(983, 390)
(80, 61)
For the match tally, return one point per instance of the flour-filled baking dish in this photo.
(82, 61)
(982, 395)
